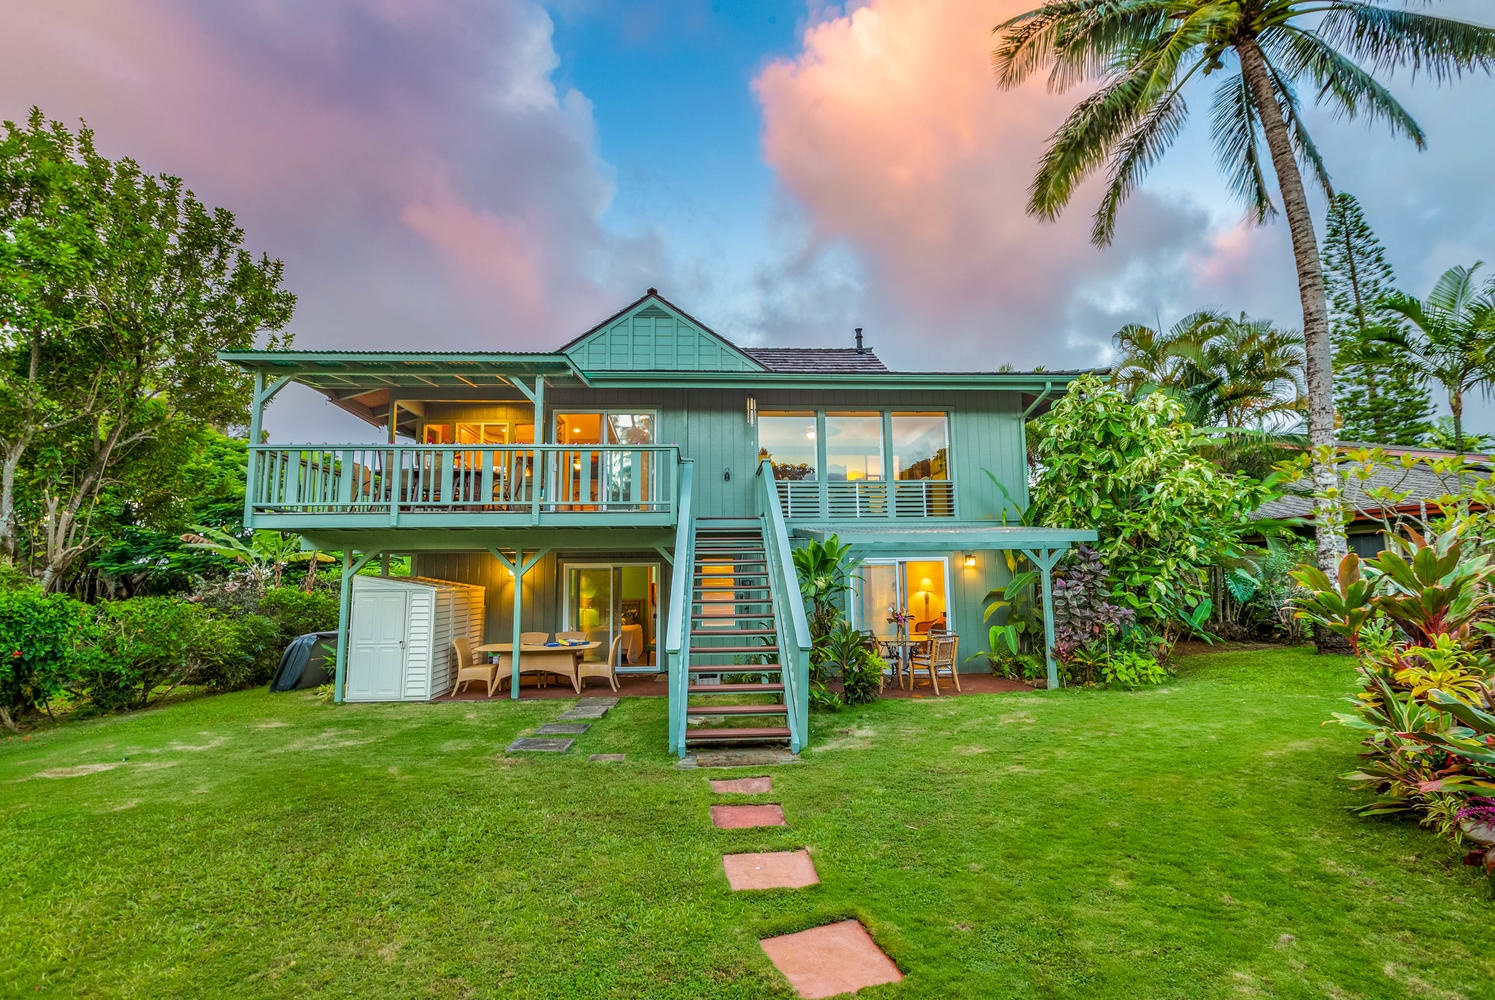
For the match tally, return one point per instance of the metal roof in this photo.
(1421, 484)
(369, 370)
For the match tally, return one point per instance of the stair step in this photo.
(698, 650)
(734, 688)
(704, 735)
(734, 631)
(736, 668)
(735, 590)
(774, 709)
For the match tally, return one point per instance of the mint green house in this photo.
(644, 485)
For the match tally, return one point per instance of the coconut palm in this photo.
(1453, 337)
(1145, 52)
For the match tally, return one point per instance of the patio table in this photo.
(540, 658)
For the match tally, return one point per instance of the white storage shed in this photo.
(400, 636)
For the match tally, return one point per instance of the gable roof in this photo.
(653, 334)
(816, 360)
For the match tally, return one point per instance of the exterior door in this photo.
(376, 646)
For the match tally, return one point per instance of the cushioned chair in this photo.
(468, 670)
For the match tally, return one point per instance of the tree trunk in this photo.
(8, 468)
(1318, 354)
(1456, 407)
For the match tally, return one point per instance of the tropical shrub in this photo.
(1134, 472)
(145, 648)
(297, 612)
(42, 644)
(1416, 618)
(852, 654)
(244, 652)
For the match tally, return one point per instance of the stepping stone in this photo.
(745, 817)
(742, 786)
(532, 745)
(591, 712)
(779, 870)
(598, 702)
(608, 758)
(563, 728)
(835, 958)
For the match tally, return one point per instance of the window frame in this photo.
(887, 414)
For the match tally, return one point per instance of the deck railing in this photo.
(677, 628)
(789, 612)
(403, 479)
(812, 499)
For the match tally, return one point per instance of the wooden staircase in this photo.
(732, 621)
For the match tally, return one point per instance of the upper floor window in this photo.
(788, 441)
(606, 427)
(856, 446)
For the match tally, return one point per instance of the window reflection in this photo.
(788, 441)
(920, 446)
(853, 446)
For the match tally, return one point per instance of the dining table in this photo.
(561, 659)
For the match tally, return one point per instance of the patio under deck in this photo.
(657, 686)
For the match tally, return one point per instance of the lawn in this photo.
(1189, 841)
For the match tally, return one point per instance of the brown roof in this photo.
(816, 360)
(1419, 482)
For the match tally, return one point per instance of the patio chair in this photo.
(468, 671)
(608, 670)
(938, 660)
(533, 638)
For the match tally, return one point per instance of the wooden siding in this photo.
(653, 338)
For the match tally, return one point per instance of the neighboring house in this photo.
(1365, 513)
(644, 484)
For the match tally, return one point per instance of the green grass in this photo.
(1189, 841)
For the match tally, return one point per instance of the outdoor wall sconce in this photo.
(752, 411)
(970, 560)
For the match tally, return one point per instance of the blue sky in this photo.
(501, 174)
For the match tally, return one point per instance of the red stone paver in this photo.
(742, 786)
(743, 817)
(835, 958)
(779, 870)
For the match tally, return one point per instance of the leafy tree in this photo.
(1452, 340)
(1380, 398)
(117, 290)
(1145, 52)
(1163, 512)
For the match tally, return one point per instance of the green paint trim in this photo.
(344, 618)
(652, 297)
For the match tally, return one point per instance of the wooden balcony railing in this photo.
(394, 484)
(810, 499)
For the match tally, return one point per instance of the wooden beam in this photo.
(1045, 560)
(517, 568)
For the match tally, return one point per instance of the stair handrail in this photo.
(794, 648)
(677, 626)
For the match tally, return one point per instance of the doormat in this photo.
(531, 745)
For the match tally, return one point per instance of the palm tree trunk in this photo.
(1318, 354)
(1456, 407)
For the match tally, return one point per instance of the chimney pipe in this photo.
(860, 348)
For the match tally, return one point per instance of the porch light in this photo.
(970, 560)
(752, 411)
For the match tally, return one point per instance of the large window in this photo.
(788, 440)
(921, 445)
(604, 428)
(856, 446)
(853, 446)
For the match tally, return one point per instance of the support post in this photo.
(540, 478)
(517, 569)
(344, 616)
(1045, 560)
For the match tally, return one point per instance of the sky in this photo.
(502, 175)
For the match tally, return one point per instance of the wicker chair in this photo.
(608, 670)
(938, 660)
(468, 671)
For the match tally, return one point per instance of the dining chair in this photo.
(533, 638)
(607, 670)
(937, 661)
(468, 670)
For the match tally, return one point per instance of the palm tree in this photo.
(1236, 373)
(1144, 53)
(1454, 343)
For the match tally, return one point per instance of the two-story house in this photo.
(645, 484)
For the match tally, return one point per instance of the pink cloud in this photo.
(888, 128)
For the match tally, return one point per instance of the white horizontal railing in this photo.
(362, 479)
(811, 499)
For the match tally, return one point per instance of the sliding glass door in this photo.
(918, 587)
(608, 601)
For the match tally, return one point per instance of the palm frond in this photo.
(1146, 144)
(1095, 28)
(1389, 39)
(1234, 131)
(1455, 289)
(1352, 91)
